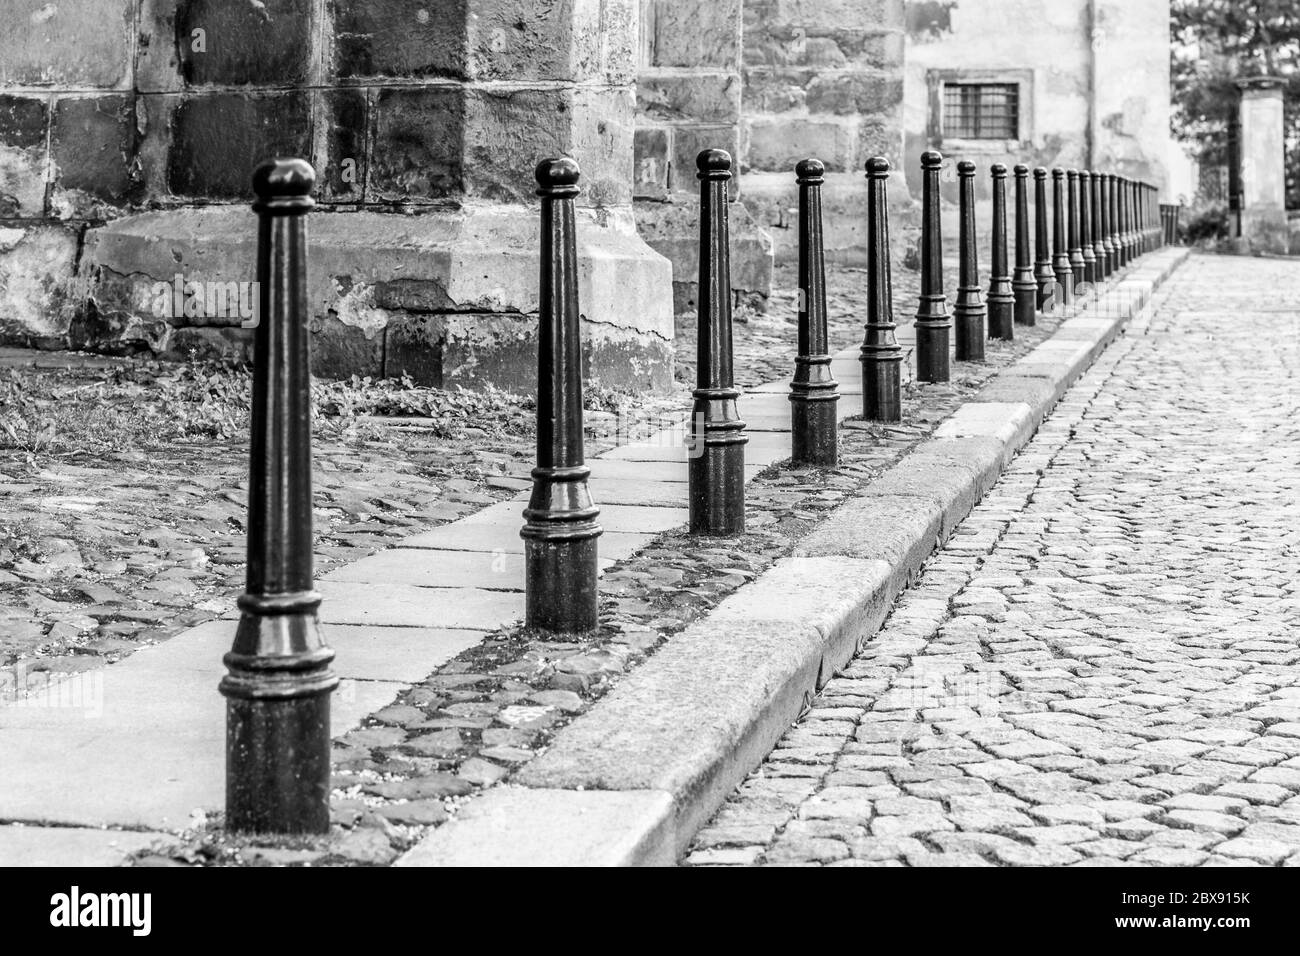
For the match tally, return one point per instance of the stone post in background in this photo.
(824, 80)
(1263, 165)
(688, 99)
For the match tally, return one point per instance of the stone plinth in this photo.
(449, 299)
(1263, 165)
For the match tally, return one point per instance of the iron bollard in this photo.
(716, 471)
(1118, 198)
(1116, 249)
(1002, 301)
(969, 312)
(1024, 287)
(1043, 273)
(1085, 228)
(1130, 248)
(882, 357)
(1098, 227)
(279, 680)
(1107, 242)
(932, 321)
(814, 397)
(1075, 251)
(560, 531)
(1061, 267)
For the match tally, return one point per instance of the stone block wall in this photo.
(431, 109)
(821, 79)
(688, 100)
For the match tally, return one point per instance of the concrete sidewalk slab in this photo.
(70, 846)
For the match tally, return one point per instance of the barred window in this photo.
(981, 110)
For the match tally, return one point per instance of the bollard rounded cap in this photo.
(1072, 173)
(877, 166)
(713, 164)
(1021, 170)
(965, 168)
(998, 170)
(1058, 173)
(1096, 175)
(1040, 172)
(284, 183)
(809, 169)
(557, 176)
(931, 159)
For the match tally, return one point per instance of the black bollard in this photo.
(1043, 273)
(1112, 197)
(932, 322)
(279, 679)
(1061, 267)
(1127, 213)
(560, 530)
(1075, 251)
(1024, 287)
(1098, 227)
(882, 357)
(1085, 228)
(1107, 254)
(1002, 301)
(717, 452)
(968, 312)
(814, 398)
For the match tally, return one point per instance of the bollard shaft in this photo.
(716, 467)
(882, 356)
(1024, 286)
(560, 531)
(1043, 272)
(1002, 301)
(279, 680)
(814, 398)
(933, 325)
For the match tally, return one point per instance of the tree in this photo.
(1216, 43)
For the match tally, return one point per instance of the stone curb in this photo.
(633, 779)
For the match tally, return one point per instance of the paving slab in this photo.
(70, 846)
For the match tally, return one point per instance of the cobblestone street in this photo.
(1100, 666)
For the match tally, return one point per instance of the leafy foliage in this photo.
(1216, 43)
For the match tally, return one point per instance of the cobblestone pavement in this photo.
(1101, 666)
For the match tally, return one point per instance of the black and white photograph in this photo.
(695, 434)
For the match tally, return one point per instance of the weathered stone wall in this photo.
(822, 79)
(688, 100)
(1093, 75)
(432, 113)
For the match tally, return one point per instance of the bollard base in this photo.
(814, 430)
(278, 764)
(560, 584)
(933, 363)
(1002, 319)
(1026, 307)
(717, 489)
(882, 398)
(969, 322)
